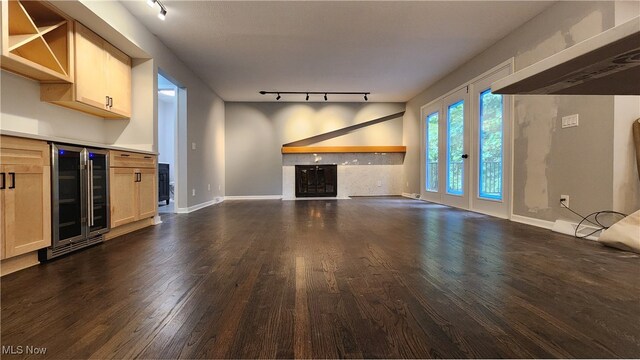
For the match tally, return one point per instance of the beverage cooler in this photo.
(80, 199)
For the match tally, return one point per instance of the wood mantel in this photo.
(342, 149)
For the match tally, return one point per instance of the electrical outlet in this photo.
(193, 146)
(209, 187)
(570, 121)
(193, 192)
(379, 183)
(564, 199)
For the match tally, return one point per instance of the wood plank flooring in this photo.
(368, 277)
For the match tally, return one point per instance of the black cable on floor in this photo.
(596, 222)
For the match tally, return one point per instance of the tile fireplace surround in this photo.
(359, 174)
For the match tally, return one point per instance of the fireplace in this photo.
(316, 181)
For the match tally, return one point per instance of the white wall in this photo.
(167, 119)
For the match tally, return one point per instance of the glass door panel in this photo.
(99, 213)
(455, 168)
(432, 152)
(490, 140)
(67, 187)
(455, 148)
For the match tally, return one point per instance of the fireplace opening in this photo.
(316, 180)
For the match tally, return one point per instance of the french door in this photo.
(466, 157)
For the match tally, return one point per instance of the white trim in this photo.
(509, 62)
(411, 195)
(532, 221)
(569, 228)
(203, 205)
(254, 197)
(157, 220)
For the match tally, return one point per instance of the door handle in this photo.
(110, 101)
(3, 181)
(464, 156)
(12, 175)
(107, 101)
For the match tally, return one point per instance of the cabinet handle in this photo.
(107, 103)
(125, 155)
(13, 180)
(110, 101)
(147, 157)
(3, 181)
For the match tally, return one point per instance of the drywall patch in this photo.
(536, 117)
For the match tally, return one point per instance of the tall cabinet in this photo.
(25, 196)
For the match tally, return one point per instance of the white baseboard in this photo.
(569, 228)
(200, 206)
(411, 195)
(157, 220)
(254, 197)
(532, 221)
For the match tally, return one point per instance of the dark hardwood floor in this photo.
(369, 277)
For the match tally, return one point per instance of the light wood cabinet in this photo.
(36, 41)
(133, 187)
(102, 79)
(25, 196)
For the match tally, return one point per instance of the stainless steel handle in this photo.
(107, 101)
(91, 192)
(110, 101)
(88, 192)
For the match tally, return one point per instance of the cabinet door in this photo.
(90, 62)
(123, 196)
(27, 208)
(118, 80)
(148, 191)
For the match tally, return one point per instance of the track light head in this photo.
(151, 3)
(262, 92)
(366, 98)
(307, 97)
(325, 96)
(278, 97)
(163, 13)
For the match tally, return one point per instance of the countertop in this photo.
(72, 142)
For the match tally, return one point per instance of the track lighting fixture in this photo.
(163, 10)
(307, 93)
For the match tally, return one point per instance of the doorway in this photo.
(167, 144)
(466, 147)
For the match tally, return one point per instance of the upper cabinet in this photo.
(36, 41)
(102, 79)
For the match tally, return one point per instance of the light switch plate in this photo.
(570, 121)
(193, 146)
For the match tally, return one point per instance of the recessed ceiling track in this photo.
(606, 64)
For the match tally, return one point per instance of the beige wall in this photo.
(548, 160)
(255, 133)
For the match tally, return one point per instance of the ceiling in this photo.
(392, 49)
